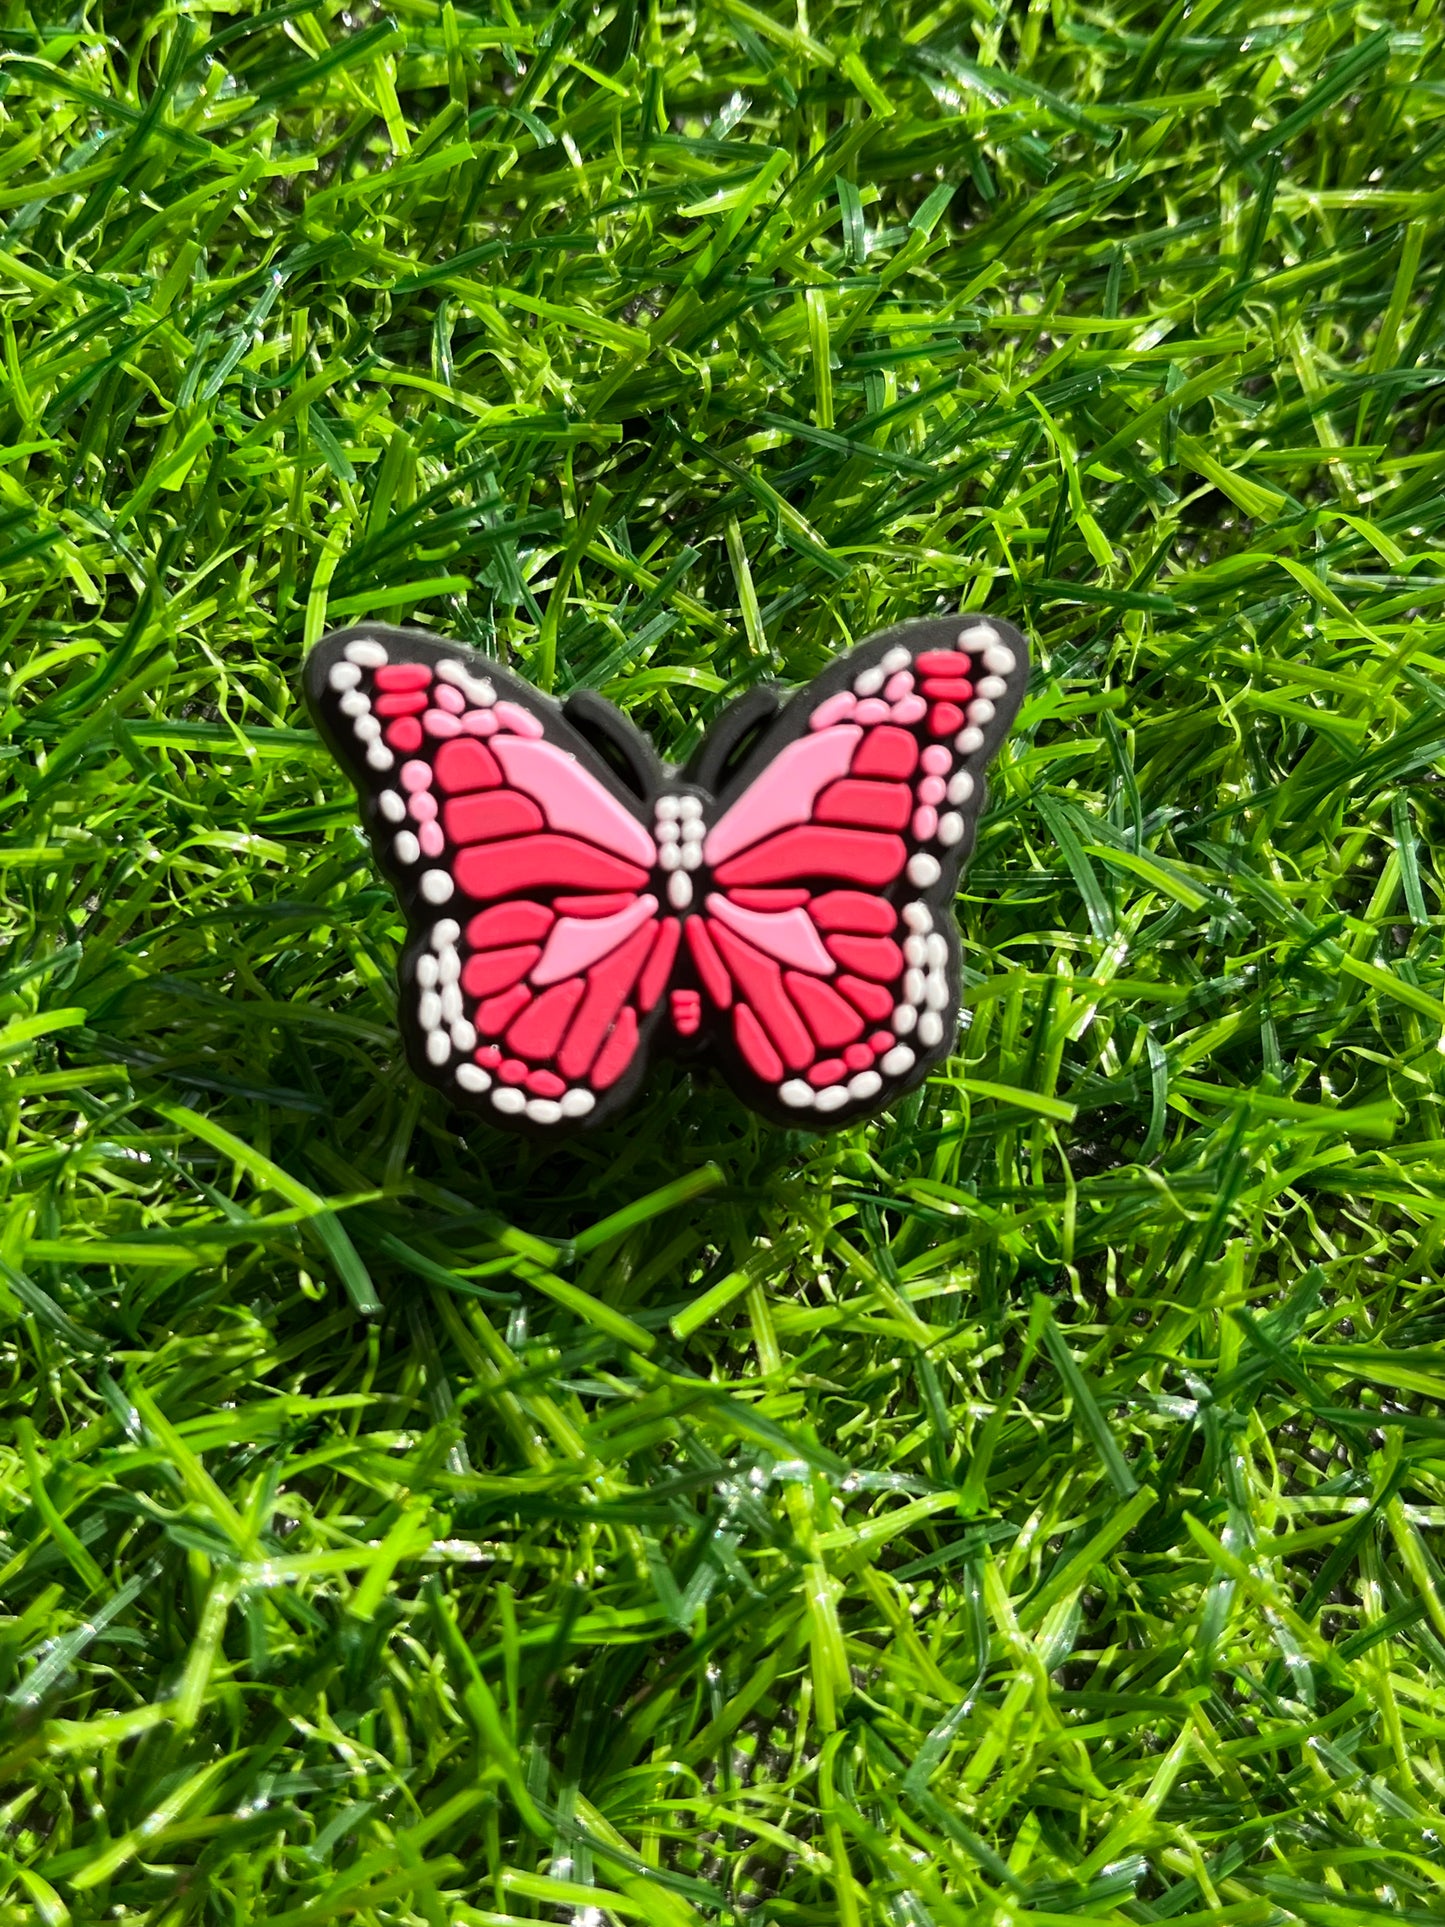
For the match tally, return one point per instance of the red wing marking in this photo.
(404, 734)
(465, 764)
(852, 910)
(761, 982)
(507, 923)
(941, 662)
(887, 752)
(403, 675)
(948, 689)
(945, 719)
(872, 806)
(608, 984)
(540, 863)
(856, 856)
(603, 906)
(829, 1071)
(617, 1053)
(873, 1000)
(876, 957)
(758, 1053)
(538, 1031)
(659, 965)
(496, 1013)
(493, 970)
(832, 1021)
(770, 901)
(545, 1083)
(709, 966)
(493, 814)
(403, 705)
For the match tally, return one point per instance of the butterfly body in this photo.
(779, 909)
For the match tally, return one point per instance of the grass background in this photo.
(1026, 1508)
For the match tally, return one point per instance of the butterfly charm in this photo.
(780, 908)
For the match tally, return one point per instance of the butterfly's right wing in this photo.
(827, 941)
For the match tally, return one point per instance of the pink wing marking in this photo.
(512, 716)
(571, 798)
(576, 943)
(788, 935)
(784, 794)
(833, 710)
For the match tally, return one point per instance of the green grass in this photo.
(1025, 1509)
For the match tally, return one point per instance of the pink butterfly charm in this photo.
(780, 908)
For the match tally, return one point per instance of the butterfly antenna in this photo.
(622, 746)
(732, 738)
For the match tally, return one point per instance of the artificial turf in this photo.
(1023, 1509)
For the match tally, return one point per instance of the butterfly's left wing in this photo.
(537, 962)
(826, 938)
